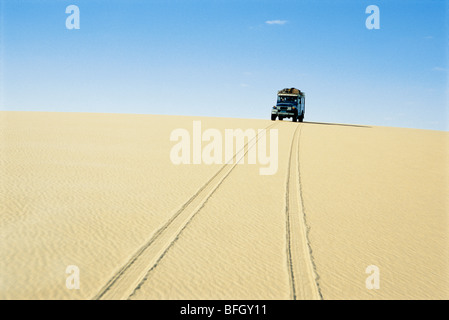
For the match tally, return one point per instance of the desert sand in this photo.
(100, 192)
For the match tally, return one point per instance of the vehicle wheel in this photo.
(273, 117)
(280, 119)
(301, 118)
(295, 118)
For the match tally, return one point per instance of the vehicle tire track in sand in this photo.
(135, 272)
(301, 266)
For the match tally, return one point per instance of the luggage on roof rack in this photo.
(290, 91)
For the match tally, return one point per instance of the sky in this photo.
(228, 58)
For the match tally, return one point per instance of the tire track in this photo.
(301, 267)
(135, 272)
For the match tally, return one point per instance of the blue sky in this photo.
(221, 58)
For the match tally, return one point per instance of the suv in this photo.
(290, 104)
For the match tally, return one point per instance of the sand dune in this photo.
(100, 192)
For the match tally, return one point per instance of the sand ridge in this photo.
(99, 191)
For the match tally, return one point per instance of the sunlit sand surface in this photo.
(100, 192)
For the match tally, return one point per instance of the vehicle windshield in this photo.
(283, 99)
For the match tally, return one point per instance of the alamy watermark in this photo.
(73, 20)
(210, 147)
(373, 280)
(373, 20)
(73, 280)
